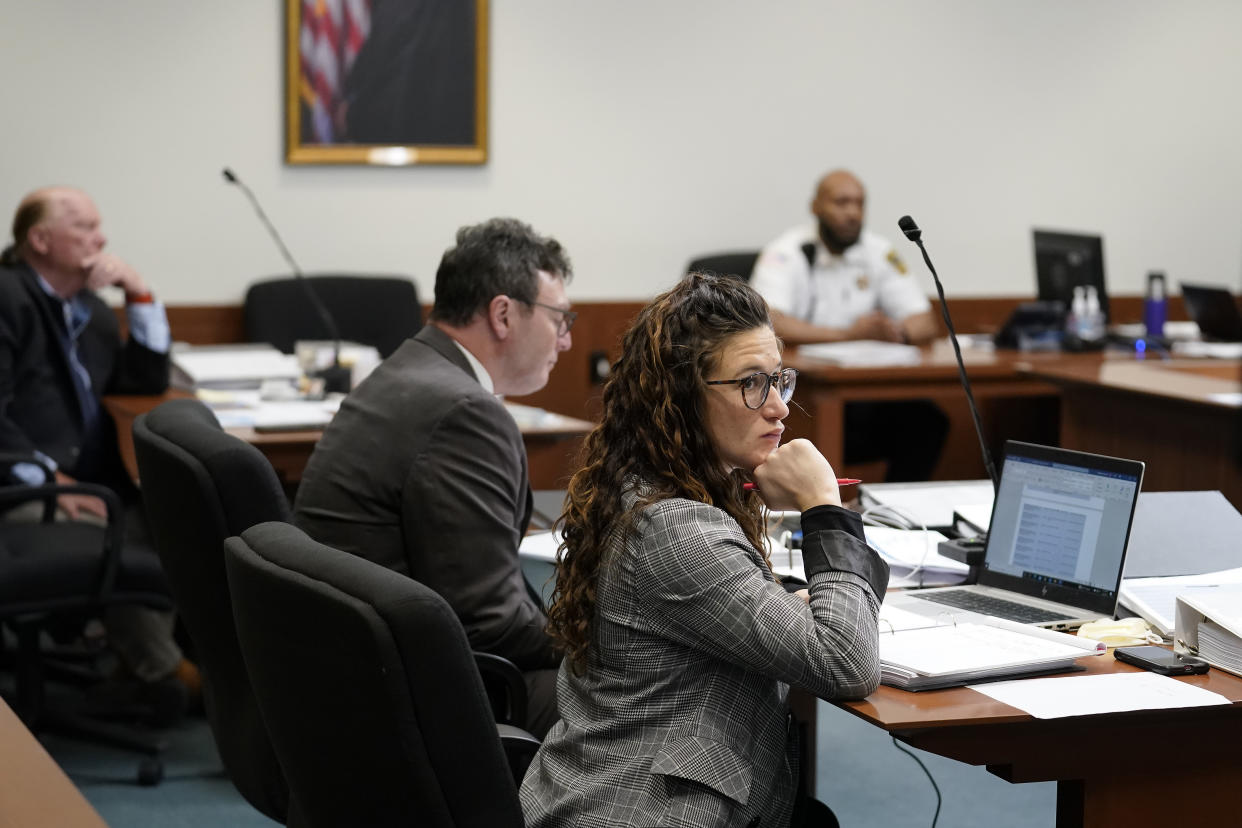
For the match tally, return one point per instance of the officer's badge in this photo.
(896, 262)
(862, 282)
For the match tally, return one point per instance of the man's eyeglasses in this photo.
(568, 317)
(755, 387)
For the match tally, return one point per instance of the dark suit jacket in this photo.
(424, 471)
(39, 406)
(414, 77)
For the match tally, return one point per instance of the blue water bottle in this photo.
(1155, 305)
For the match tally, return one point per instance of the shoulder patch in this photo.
(896, 262)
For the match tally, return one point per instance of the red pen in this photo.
(841, 481)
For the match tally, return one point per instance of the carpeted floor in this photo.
(866, 780)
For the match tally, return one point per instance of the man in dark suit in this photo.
(413, 81)
(60, 351)
(424, 471)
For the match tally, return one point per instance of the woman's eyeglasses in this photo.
(755, 387)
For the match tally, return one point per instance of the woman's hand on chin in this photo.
(796, 476)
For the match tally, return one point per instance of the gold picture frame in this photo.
(386, 82)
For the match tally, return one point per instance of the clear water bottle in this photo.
(1077, 312)
(1092, 322)
(1155, 304)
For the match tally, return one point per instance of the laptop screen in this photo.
(1060, 524)
(1214, 310)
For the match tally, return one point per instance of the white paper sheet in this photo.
(1054, 698)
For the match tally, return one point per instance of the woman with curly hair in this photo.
(680, 644)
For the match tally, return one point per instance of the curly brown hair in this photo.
(653, 431)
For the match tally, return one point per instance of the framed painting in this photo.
(388, 82)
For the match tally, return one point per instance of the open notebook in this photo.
(920, 653)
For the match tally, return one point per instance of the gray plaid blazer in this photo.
(681, 717)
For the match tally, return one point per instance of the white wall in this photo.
(643, 132)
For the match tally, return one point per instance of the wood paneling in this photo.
(600, 326)
(1163, 412)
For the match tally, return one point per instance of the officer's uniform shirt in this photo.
(835, 290)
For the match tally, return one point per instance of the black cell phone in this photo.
(1161, 660)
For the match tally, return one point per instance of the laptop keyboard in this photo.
(988, 605)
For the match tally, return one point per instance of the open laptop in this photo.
(1056, 543)
(1214, 310)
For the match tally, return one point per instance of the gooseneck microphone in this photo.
(336, 377)
(914, 234)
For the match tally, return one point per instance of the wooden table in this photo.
(33, 789)
(1160, 411)
(1014, 403)
(1149, 767)
(551, 448)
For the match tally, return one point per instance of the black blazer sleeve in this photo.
(118, 367)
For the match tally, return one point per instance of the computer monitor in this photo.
(1064, 261)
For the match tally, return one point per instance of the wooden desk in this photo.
(1014, 403)
(33, 789)
(1158, 411)
(551, 449)
(1148, 767)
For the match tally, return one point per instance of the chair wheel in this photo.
(150, 772)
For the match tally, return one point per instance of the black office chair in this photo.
(738, 263)
(380, 311)
(200, 486)
(54, 575)
(369, 689)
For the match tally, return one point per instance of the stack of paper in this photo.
(1209, 625)
(1220, 646)
(230, 366)
(862, 353)
(245, 409)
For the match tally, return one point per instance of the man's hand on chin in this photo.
(106, 270)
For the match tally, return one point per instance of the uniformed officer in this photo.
(832, 281)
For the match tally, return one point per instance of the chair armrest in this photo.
(505, 687)
(114, 531)
(520, 748)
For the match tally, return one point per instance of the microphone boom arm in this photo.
(325, 316)
(913, 232)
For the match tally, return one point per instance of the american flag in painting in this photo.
(332, 33)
